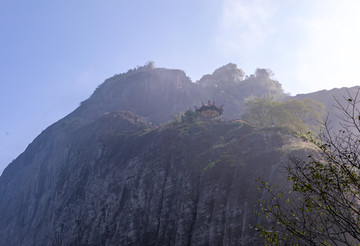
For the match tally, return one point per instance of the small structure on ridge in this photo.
(210, 110)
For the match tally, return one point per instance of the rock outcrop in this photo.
(116, 181)
(105, 176)
(159, 94)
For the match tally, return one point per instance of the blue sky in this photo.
(53, 54)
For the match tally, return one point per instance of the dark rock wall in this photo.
(177, 185)
(102, 178)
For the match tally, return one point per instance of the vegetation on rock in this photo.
(298, 116)
(190, 116)
(104, 175)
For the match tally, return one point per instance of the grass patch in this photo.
(210, 165)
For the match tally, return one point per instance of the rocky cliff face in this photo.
(102, 176)
(160, 94)
(155, 94)
(117, 182)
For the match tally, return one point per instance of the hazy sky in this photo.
(53, 54)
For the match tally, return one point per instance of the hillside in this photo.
(118, 182)
(119, 170)
(327, 98)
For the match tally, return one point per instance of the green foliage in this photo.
(190, 116)
(146, 67)
(299, 116)
(322, 204)
(264, 73)
(210, 165)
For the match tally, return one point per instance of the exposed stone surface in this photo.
(102, 178)
(112, 182)
(160, 94)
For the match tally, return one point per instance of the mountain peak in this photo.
(230, 70)
(104, 176)
(226, 74)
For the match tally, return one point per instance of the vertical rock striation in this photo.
(115, 182)
(105, 176)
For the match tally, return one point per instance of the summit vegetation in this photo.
(298, 116)
(119, 171)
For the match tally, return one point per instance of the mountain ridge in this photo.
(120, 170)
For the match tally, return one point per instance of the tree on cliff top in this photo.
(322, 205)
(298, 116)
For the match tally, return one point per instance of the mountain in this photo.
(116, 181)
(328, 98)
(108, 174)
(159, 94)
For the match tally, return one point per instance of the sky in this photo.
(53, 54)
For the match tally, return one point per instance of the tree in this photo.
(262, 112)
(264, 73)
(149, 65)
(190, 117)
(298, 116)
(322, 204)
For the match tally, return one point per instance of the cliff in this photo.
(159, 94)
(116, 181)
(105, 175)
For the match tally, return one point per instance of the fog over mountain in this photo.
(127, 167)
